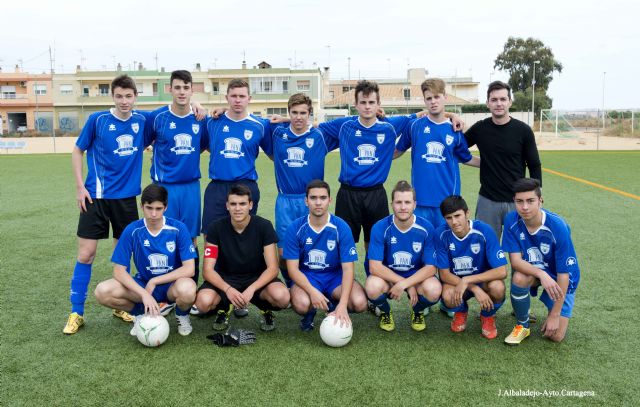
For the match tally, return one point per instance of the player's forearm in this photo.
(525, 267)
(347, 283)
(498, 273)
(265, 278)
(215, 279)
(563, 282)
(420, 275)
(473, 162)
(187, 270)
(397, 153)
(120, 275)
(380, 270)
(448, 277)
(76, 165)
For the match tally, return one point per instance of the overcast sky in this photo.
(382, 38)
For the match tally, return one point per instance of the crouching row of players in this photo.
(459, 260)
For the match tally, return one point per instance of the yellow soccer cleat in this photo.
(386, 321)
(74, 323)
(518, 335)
(123, 315)
(417, 321)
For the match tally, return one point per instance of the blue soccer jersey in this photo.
(404, 252)
(365, 152)
(298, 159)
(436, 150)
(477, 252)
(178, 141)
(549, 248)
(320, 251)
(114, 154)
(154, 255)
(234, 146)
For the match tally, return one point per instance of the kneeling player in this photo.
(401, 258)
(471, 264)
(542, 254)
(241, 264)
(163, 253)
(320, 254)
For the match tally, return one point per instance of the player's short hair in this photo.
(526, 185)
(318, 183)
(238, 83)
(367, 87)
(498, 85)
(125, 82)
(154, 193)
(451, 204)
(403, 186)
(184, 76)
(300, 99)
(240, 190)
(433, 85)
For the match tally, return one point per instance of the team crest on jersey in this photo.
(434, 152)
(308, 142)
(232, 148)
(125, 145)
(358, 133)
(416, 246)
(112, 127)
(295, 157)
(448, 139)
(402, 261)
(380, 138)
(248, 134)
(331, 244)
(475, 248)
(393, 240)
(158, 263)
(309, 241)
(172, 125)
(183, 144)
(427, 130)
(225, 129)
(317, 260)
(366, 154)
(521, 236)
(571, 261)
(135, 127)
(463, 265)
(195, 127)
(544, 248)
(452, 247)
(171, 246)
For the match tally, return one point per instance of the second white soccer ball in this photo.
(333, 334)
(152, 331)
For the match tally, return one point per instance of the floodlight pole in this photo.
(533, 92)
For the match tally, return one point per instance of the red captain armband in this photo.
(211, 252)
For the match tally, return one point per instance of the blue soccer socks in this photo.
(521, 301)
(382, 303)
(79, 286)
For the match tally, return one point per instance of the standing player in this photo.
(542, 254)
(178, 139)
(436, 150)
(164, 257)
(114, 142)
(241, 264)
(320, 255)
(402, 258)
(507, 146)
(471, 264)
(298, 152)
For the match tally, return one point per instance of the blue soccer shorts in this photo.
(184, 204)
(432, 214)
(289, 207)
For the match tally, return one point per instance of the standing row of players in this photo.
(114, 142)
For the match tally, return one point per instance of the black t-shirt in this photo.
(241, 255)
(505, 151)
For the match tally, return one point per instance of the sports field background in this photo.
(102, 365)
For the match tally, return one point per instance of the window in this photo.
(215, 88)
(285, 86)
(304, 85)
(331, 94)
(155, 88)
(85, 90)
(406, 92)
(269, 84)
(8, 92)
(345, 89)
(66, 89)
(40, 89)
(140, 87)
(104, 89)
(282, 111)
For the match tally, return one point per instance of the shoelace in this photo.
(418, 318)
(386, 318)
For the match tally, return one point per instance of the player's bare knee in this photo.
(496, 290)
(280, 296)
(374, 287)
(521, 279)
(301, 304)
(103, 293)
(357, 303)
(431, 289)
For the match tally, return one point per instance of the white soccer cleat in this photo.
(184, 325)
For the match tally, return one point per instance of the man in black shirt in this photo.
(506, 147)
(241, 264)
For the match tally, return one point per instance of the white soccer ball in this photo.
(335, 335)
(153, 331)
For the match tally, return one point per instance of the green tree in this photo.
(522, 101)
(517, 58)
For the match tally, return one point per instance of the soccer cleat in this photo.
(459, 322)
(386, 321)
(444, 309)
(306, 323)
(267, 322)
(194, 310)
(240, 312)
(489, 329)
(222, 320)
(74, 323)
(166, 308)
(518, 335)
(136, 324)
(123, 315)
(417, 321)
(373, 309)
(184, 325)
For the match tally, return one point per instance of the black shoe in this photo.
(267, 322)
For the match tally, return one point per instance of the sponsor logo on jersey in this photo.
(534, 256)
(571, 261)
(158, 264)
(308, 142)
(172, 125)
(463, 266)
(402, 261)
(112, 127)
(248, 134)
(232, 148)
(448, 139)
(225, 129)
(380, 138)
(544, 248)
(475, 248)
(295, 157)
(195, 127)
(125, 145)
(416, 246)
(427, 130)
(171, 246)
(366, 154)
(135, 127)
(146, 243)
(434, 152)
(317, 260)
(331, 244)
(182, 144)
(309, 241)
